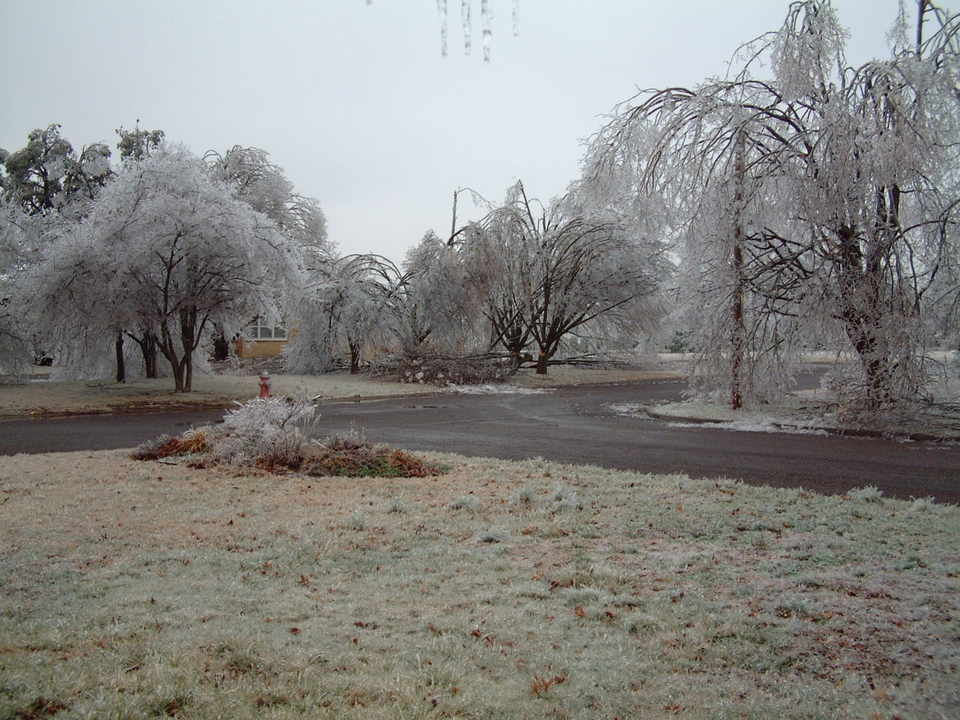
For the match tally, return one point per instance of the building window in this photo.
(260, 330)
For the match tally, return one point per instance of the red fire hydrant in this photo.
(265, 385)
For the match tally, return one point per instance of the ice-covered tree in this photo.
(18, 243)
(136, 145)
(264, 186)
(433, 306)
(48, 173)
(562, 269)
(819, 193)
(168, 246)
(344, 309)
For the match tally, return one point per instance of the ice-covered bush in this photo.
(273, 433)
(265, 431)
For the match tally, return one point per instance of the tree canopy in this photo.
(814, 198)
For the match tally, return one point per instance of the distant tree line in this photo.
(795, 202)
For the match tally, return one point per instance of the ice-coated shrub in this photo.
(281, 413)
(271, 433)
(924, 504)
(264, 431)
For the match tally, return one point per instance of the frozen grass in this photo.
(501, 590)
(811, 412)
(785, 419)
(505, 389)
(560, 375)
(47, 397)
(208, 390)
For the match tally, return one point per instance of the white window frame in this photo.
(259, 329)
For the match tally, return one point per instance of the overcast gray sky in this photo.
(354, 100)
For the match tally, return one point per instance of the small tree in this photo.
(562, 269)
(17, 244)
(343, 307)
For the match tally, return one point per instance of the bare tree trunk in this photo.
(149, 350)
(166, 345)
(542, 363)
(188, 328)
(181, 363)
(121, 365)
(860, 277)
(221, 348)
(738, 335)
(354, 357)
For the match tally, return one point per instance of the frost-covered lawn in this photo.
(794, 415)
(567, 375)
(501, 590)
(216, 390)
(815, 411)
(209, 390)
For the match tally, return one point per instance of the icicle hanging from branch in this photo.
(467, 23)
(486, 16)
(442, 11)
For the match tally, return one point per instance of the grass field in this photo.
(499, 590)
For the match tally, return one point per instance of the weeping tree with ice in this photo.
(560, 270)
(700, 159)
(256, 180)
(434, 309)
(490, 256)
(824, 196)
(46, 187)
(169, 246)
(342, 310)
(876, 185)
(360, 302)
(19, 242)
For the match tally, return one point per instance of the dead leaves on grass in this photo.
(40, 708)
(540, 685)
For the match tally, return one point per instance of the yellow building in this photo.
(261, 340)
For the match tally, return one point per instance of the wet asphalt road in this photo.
(574, 425)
